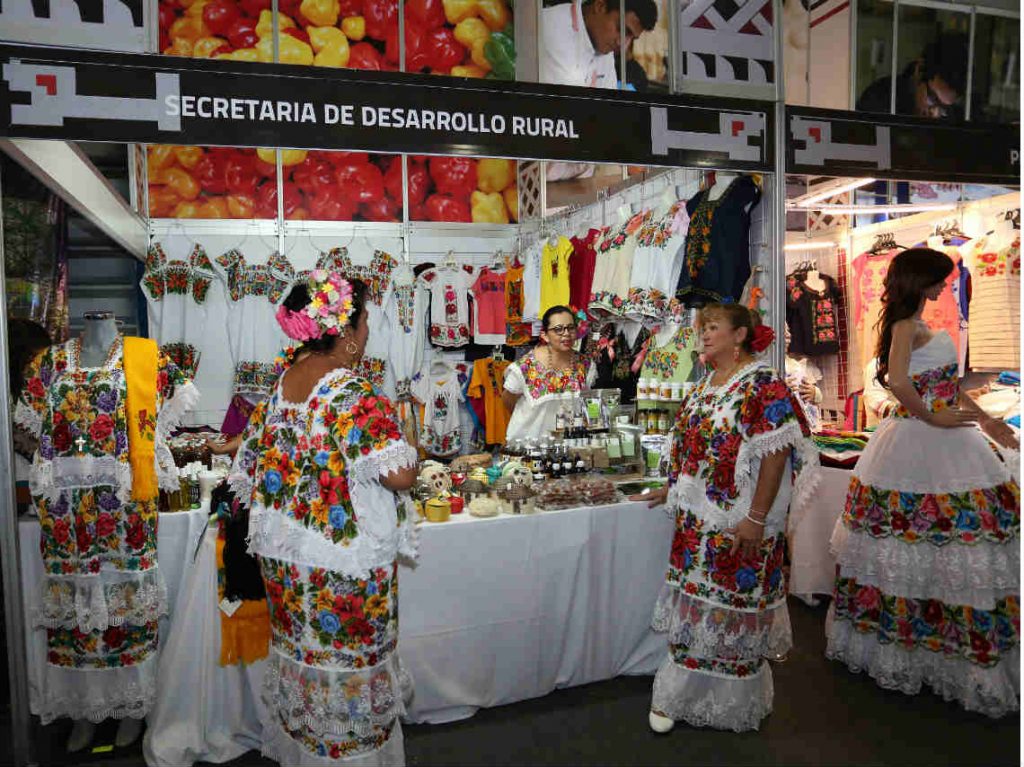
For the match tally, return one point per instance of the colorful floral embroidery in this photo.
(1006, 261)
(405, 297)
(698, 236)
(991, 515)
(354, 421)
(164, 276)
(517, 332)
(372, 369)
(824, 320)
(114, 647)
(540, 381)
(938, 387)
(982, 637)
(271, 279)
(255, 378)
(376, 274)
(184, 356)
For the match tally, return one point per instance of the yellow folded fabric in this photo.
(141, 357)
(245, 635)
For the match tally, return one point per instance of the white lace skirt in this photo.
(928, 549)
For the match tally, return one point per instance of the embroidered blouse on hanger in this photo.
(449, 304)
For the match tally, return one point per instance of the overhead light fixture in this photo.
(836, 188)
(877, 209)
(810, 246)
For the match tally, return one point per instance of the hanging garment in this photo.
(581, 268)
(176, 292)
(995, 308)
(610, 291)
(103, 593)
(489, 307)
(439, 391)
(532, 269)
(613, 359)
(716, 264)
(554, 275)
(517, 332)
(675, 359)
(657, 262)
(449, 304)
(487, 383)
(408, 313)
(812, 316)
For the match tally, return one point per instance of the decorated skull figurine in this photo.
(517, 473)
(435, 479)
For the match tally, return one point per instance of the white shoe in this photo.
(81, 735)
(660, 724)
(127, 732)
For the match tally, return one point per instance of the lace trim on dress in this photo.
(186, 396)
(690, 494)
(977, 575)
(805, 462)
(332, 703)
(993, 691)
(87, 473)
(708, 630)
(94, 603)
(28, 419)
(380, 463)
(114, 693)
(702, 700)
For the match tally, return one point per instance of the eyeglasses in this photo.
(935, 105)
(562, 330)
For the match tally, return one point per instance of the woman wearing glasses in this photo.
(534, 384)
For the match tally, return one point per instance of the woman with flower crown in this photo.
(323, 466)
(739, 448)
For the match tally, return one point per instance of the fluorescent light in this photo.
(810, 246)
(868, 209)
(832, 191)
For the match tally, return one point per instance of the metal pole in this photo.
(776, 288)
(674, 63)
(970, 65)
(622, 45)
(895, 43)
(853, 54)
(279, 180)
(10, 559)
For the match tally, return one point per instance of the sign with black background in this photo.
(76, 95)
(828, 143)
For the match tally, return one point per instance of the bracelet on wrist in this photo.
(759, 522)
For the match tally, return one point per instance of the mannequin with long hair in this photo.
(928, 546)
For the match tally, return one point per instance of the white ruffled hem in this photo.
(993, 691)
(80, 473)
(186, 396)
(702, 700)
(28, 419)
(978, 575)
(288, 752)
(394, 457)
(98, 694)
(709, 630)
(321, 700)
(96, 602)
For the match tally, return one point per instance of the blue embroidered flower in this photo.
(106, 402)
(337, 517)
(272, 481)
(967, 520)
(321, 458)
(746, 578)
(774, 578)
(329, 622)
(323, 390)
(354, 435)
(778, 411)
(371, 587)
(982, 620)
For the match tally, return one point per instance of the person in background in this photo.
(534, 384)
(320, 464)
(802, 377)
(739, 448)
(930, 86)
(25, 340)
(879, 402)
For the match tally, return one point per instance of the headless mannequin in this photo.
(722, 182)
(813, 280)
(98, 337)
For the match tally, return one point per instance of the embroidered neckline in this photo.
(75, 352)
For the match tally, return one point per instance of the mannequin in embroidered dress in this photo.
(739, 445)
(324, 471)
(928, 547)
(100, 407)
(534, 384)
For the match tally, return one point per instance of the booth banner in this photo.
(88, 96)
(823, 142)
(118, 25)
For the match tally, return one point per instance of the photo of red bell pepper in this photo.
(455, 176)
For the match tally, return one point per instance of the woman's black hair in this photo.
(546, 319)
(25, 340)
(299, 298)
(910, 274)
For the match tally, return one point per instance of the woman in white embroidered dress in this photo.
(928, 588)
(739, 445)
(321, 462)
(534, 384)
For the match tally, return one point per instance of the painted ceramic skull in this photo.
(517, 473)
(435, 479)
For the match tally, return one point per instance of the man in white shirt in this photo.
(579, 41)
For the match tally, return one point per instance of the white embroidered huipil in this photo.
(449, 303)
(254, 293)
(176, 294)
(408, 312)
(657, 262)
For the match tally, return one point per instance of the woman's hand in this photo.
(746, 537)
(1001, 433)
(656, 497)
(806, 391)
(224, 445)
(952, 418)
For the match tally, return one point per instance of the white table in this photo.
(177, 536)
(812, 565)
(509, 608)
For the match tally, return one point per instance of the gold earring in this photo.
(351, 347)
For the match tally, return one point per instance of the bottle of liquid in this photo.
(194, 490)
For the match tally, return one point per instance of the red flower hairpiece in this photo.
(763, 336)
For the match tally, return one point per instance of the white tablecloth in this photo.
(509, 608)
(812, 566)
(177, 536)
